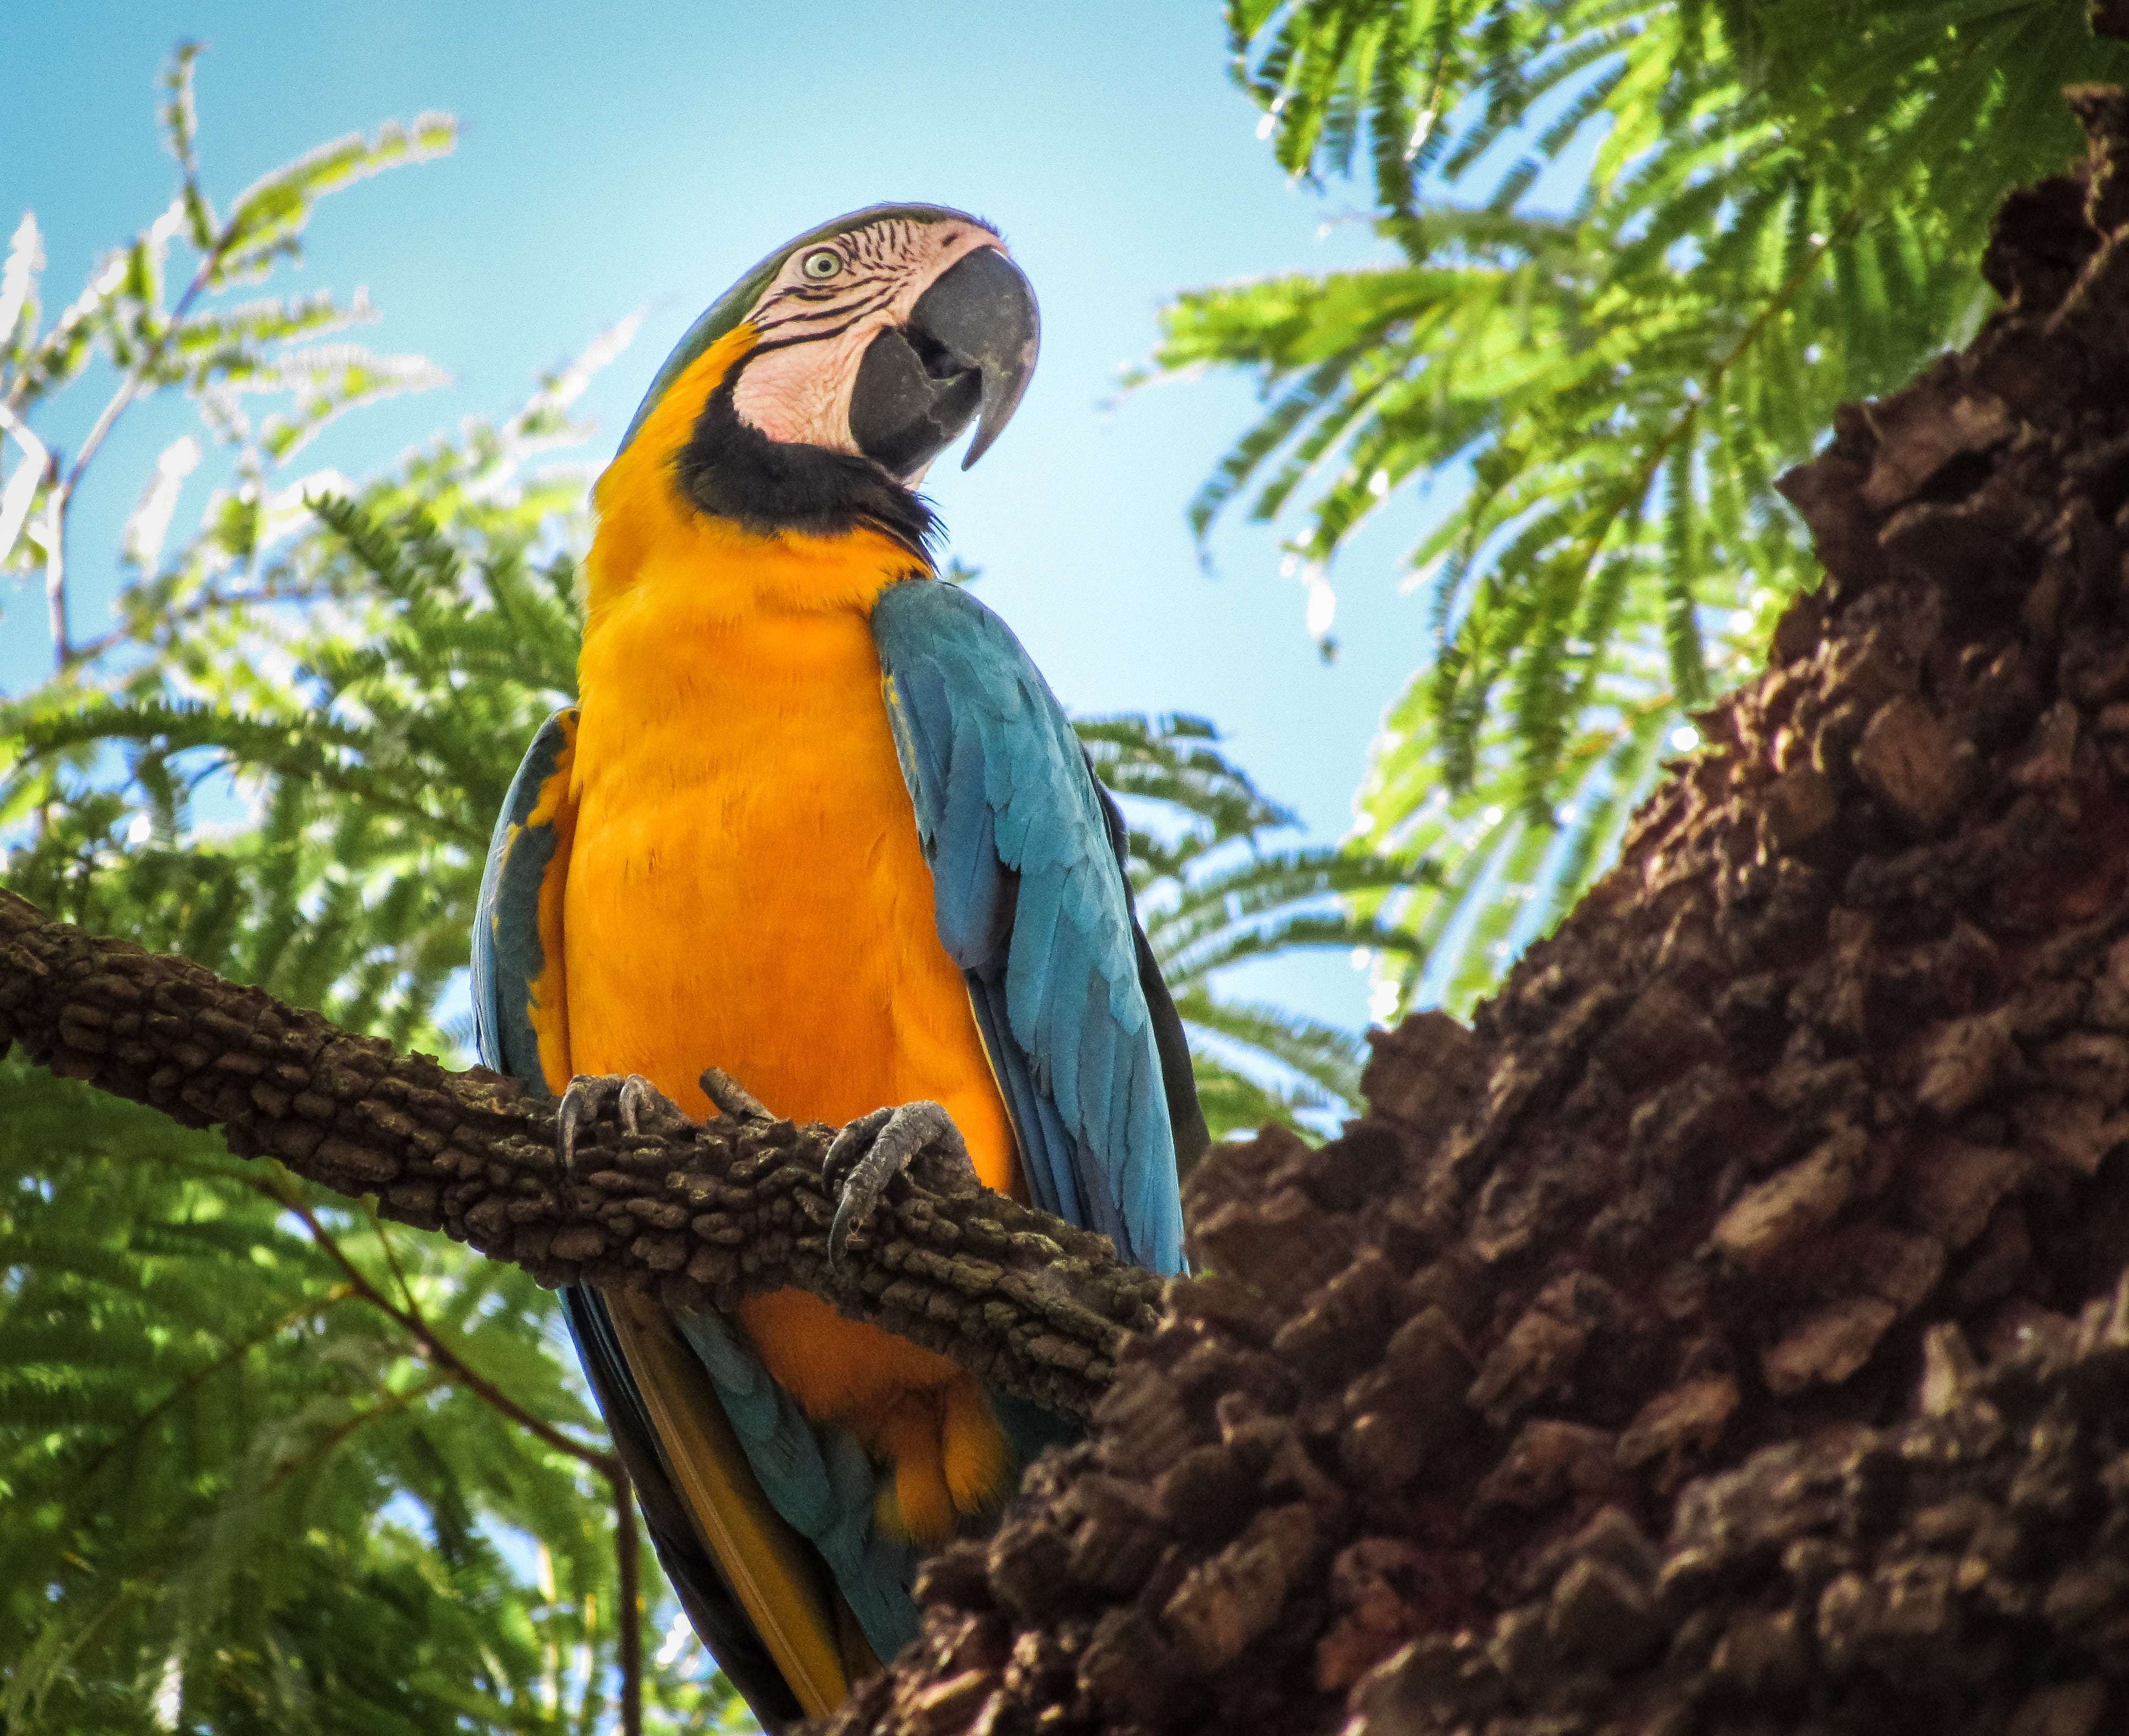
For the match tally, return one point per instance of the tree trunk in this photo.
(1728, 1334)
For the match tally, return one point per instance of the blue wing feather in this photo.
(507, 958)
(1033, 905)
(1035, 1115)
(820, 1480)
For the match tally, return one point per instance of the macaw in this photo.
(817, 821)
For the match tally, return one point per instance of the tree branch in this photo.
(702, 1216)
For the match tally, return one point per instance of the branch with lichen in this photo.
(700, 1215)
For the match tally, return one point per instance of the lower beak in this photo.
(967, 352)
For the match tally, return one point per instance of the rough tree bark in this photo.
(702, 1215)
(1727, 1334)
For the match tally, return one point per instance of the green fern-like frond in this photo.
(1778, 207)
(1213, 895)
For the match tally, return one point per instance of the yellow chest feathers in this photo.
(746, 886)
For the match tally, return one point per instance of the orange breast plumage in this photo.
(746, 889)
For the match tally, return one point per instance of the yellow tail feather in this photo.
(801, 1620)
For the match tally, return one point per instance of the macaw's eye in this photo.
(822, 264)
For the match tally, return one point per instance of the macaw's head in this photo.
(816, 391)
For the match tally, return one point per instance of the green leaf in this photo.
(1780, 207)
(329, 381)
(18, 283)
(272, 211)
(180, 114)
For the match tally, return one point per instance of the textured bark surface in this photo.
(1725, 1333)
(701, 1214)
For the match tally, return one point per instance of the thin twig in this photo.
(337, 1436)
(197, 608)
(627, 1552)
(54, 541)
(199, 1376)
(129, 388)
(628, 1563)
(434, 1351)
(399, 1272)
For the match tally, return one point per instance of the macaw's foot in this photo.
(873, 1150)
(642, 1104)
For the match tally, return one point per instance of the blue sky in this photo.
(614, 158)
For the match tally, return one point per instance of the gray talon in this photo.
(634, 1096)
(733, 1099)
(579, 1106)
(872, 1151)
(637, 1094)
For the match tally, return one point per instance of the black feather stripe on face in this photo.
(843, 308)
(873, 261)
(732, 471)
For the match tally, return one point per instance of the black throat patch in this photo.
(734, 471)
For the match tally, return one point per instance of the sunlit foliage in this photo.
(1635, 253)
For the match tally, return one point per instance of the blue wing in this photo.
(510, 962)
(1032, 904)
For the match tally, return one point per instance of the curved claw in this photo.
(733, 1099)
(640, 1097)
(874, 1149)
(636, 1098)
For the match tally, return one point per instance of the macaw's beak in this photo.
(968, 351)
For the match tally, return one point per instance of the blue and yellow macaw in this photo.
(817, 821)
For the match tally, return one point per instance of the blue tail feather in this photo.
(819, 1478)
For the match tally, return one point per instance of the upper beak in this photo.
(969, 348)
(983, 313)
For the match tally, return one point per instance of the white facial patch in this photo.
(816, 323)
